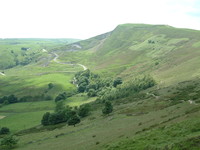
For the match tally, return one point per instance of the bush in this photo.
(74, 120)
(108, 108)
(91, 93)
(84, 110)
(117, 81)
(129, 88)
(4, 130)
(50, 85)
(59, 116)
(9, 142)
(61, 96)
(45, 119)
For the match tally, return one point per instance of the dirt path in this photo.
(56, 60)
(1, 117)
(2, 74)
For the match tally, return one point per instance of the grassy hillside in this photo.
(131, 49)
(153, 115)
(149, 120)
(32, 78)
(24, 51)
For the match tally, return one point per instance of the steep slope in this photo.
(132, 49)
(143, 117)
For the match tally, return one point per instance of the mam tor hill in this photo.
(141, 91)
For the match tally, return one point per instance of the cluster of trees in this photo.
(67, 114)
(134, 86)
(8, 142)
(93, 84)
(14, 99)
(64, 95)
(8, 99)
(61, 96)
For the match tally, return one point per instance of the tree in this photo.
(45, 119)
(9, 142)
(3, 99)
(61, 96)
(117, 81)
(74, 120)
(108, 108)
(12, 99)
(4, 130)
(50, 85)
(91, 93)
(84, 110)
(82, 87)
(59, 106)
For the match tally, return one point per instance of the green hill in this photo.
(132, 49)
(24, 51)
(149, 73)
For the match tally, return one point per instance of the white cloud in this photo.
(87, 18)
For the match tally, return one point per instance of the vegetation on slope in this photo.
(160, 110)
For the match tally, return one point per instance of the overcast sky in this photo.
(86, 18)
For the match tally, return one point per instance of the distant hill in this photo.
(23, 51)
(131, 49)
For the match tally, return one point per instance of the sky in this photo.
(83, 19)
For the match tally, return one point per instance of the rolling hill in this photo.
(156, 105)
(164, 52)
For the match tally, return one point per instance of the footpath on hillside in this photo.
(3, 74)
(55, 59)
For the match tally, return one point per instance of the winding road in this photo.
(2, 74)
(56, 60)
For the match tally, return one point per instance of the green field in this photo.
(161, 116)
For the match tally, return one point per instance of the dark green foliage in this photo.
(61, 114)
(12, 99)
(82, 87)
(8, 99)
(56, 118)
(9, 142)
(59, 106)
(156, 63)
(108, 108)
(91, 83)
(91, 93)
(4, 130)
(45, 119)
(50, 85)
(127, 89)
(151, 42)
(74, 120)
(24, 48)
(61, 96)
(117, 81)
(84, 110)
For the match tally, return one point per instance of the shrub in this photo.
(91, 93)
(108, 108)
(84, 110)
(50, 85)
(45, 119)
(74, 120)
(61, 96)
(4, 130)
(117, 81)
(9, 142)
